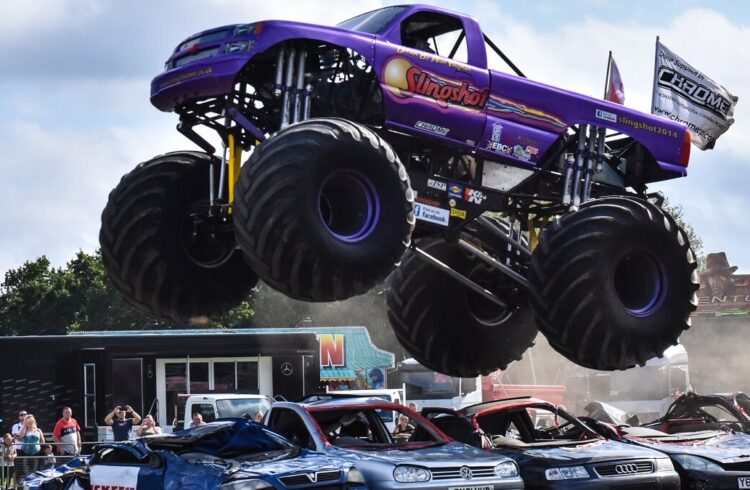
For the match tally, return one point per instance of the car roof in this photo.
(350, 402)
(520, 401)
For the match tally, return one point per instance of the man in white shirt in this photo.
(17, 428)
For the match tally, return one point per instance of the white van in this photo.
(214, 406)
(391, 395)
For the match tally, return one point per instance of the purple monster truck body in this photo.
(393, 119)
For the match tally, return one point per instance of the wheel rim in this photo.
(348, 206)
(484, 311)
(640, 283)
(207, 238)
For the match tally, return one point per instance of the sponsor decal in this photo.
(521, 153)
(474, 196)
(456, 190)
(186, 76)
(433, 58)
(104, 477)
(497, 132)
(607, 116)
(436, 184)
(500, 148)
(517, 110)
(458, 213)
(647, 127)
(452, 203)
(432, 128)
(694, 91)
(431, 214)
(424, 200)
(399, 73)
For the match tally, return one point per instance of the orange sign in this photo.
(332, 352)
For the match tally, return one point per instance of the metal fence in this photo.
(12, 474)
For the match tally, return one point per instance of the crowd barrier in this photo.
(11, 476)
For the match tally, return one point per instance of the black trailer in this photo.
(95, 371)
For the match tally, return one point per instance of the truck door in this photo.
(433, 72)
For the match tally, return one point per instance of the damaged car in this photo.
(553, 448)
(229, 454)
(691, 412)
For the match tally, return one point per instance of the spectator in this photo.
(67, 434)
(122, 419)
(49, 458)
(32, 439)
(7, 460)
(197, 419)
(414, 406)
(404, 429)
(148, 427)
(14, 432)
(259, 417)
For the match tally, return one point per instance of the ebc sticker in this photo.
(431, 214)
(110, 477)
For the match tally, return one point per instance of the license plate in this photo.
(743, 482)
(488, 487)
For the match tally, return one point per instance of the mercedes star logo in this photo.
(626, 469)
(287, 369)
(466, 473)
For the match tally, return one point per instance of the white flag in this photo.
(684, 94)
(614, 90)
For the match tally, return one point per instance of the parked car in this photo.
(352, 428)
(553, 448)
(691, 412)
(705, 459)
(739, 400)
(229, 454)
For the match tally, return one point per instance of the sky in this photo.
(75, 75)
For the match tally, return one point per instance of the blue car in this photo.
(230, 454)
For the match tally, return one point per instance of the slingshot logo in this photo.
(694, 91)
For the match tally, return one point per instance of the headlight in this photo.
(356, 477)
(690, 462)
(243, 30)
(249, 484)
(566, 473)
(411, 474)
(508, 469)
(239, 46)
(664, 464)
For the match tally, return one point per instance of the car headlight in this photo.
(566, 473)
(690, 462)
(664, 464)
(507, 469)
(244, 30)
(249, 484)
(411, 474)
(239, 46)
(356, 477)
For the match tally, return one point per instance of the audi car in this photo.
(553, 448)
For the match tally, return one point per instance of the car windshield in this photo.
(241, 407)
(363, 428)
(537, 425)
(372, 22)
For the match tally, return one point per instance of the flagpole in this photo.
(606, 78)
(656, 62)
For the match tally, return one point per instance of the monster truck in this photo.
(386, 146)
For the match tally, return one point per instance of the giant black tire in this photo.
(446, 326)
(613, 284)
(160, 248)
(324, 210)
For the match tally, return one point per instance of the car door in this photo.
(432, 69)
(289, 424)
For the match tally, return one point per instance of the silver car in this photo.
(420, 458)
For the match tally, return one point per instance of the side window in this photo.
(205, 409)
(435, 33)
(291, 426)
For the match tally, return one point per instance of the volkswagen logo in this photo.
(626, 469)
(466, 473)
(286, 369)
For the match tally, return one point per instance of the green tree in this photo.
(695, 240)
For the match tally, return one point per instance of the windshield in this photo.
(241, 407)
(363, 428)
(534, 424)
(372, 22)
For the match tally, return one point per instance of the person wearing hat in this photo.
(718, 274)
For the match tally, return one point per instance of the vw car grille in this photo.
(455, 473)
(624, 469)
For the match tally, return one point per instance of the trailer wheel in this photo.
(324, 210)
(164, 249)
(449, 328)
(613, 283)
